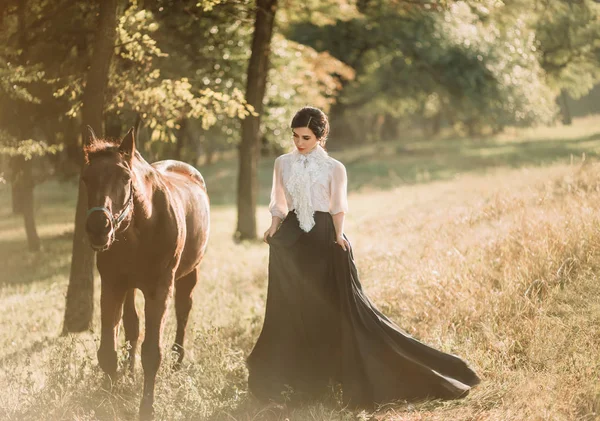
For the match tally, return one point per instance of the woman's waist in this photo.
(319, 213)
(319, 217)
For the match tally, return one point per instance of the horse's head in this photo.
(108, 177)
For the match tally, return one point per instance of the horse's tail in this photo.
(181, 168)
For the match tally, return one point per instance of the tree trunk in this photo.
(250, 145)
(341, 129)
(567, 120)
(112, 126)
(27, 203)
(22, 169)
(389, 128)
(17, 200)
(436, 124)
(16, 162)
(80, 294)
(16, 172)
(22, 184)
(209, 156)
(73, 149)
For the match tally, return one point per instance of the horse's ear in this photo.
(92, 135)
(87, 142)
(127, 147)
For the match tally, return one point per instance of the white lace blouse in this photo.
(306, 184)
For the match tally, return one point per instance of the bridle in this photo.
(115, 221)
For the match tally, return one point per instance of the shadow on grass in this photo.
(20, 266)
(250, 409)
(27, 353)
(392, 164)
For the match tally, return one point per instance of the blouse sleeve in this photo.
(338, 201)
(278, 206)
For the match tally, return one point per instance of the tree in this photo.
(566, 36)
(22, 170)
(256, 84)
(17, 118)
(80, 293)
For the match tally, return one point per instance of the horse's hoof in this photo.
(178, 352)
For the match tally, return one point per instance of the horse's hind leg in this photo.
(131, 323)
(183, 304)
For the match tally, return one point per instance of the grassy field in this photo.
(488, 249)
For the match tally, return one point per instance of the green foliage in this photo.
(299, 76)
(28, 148)
(15, 78)
(316, 11)
(567, 35)
(475, 64)
(211, 50)
(415, 63)
(502, 83)
(137, 83)
(25, 81)
(144, 80)
(208, 5)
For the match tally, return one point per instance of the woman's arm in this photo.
(338, 223)
(338, 205)
(278, 205)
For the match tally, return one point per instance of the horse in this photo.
(149, 225)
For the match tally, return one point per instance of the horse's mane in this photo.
(100, 147)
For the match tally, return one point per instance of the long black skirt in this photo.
(321, 329)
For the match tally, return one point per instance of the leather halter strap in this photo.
(115, 220)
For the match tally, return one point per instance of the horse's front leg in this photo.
(111, 307)
(155, 311)
(131, 323)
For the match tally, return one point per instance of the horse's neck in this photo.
(143, 188)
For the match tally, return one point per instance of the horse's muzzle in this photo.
(100, 248)
(100, 243)
(100, 231)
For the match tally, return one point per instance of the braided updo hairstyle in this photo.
(315, 119)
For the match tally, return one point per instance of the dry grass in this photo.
(499, 268)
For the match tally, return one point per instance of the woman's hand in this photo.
(275, 224)
(341, 241)
(269, 233)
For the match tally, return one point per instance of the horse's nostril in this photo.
(98, 224)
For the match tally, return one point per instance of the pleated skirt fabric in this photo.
(320, 329)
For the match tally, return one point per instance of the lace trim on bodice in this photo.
(305, 171)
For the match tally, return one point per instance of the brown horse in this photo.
(149, 224)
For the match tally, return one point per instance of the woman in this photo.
(319, 325)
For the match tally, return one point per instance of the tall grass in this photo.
(498, 267)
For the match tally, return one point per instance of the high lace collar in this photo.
(306, 170)
(316, 153)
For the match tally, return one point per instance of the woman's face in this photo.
(304, 139)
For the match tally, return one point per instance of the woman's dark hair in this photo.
(313, 118)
